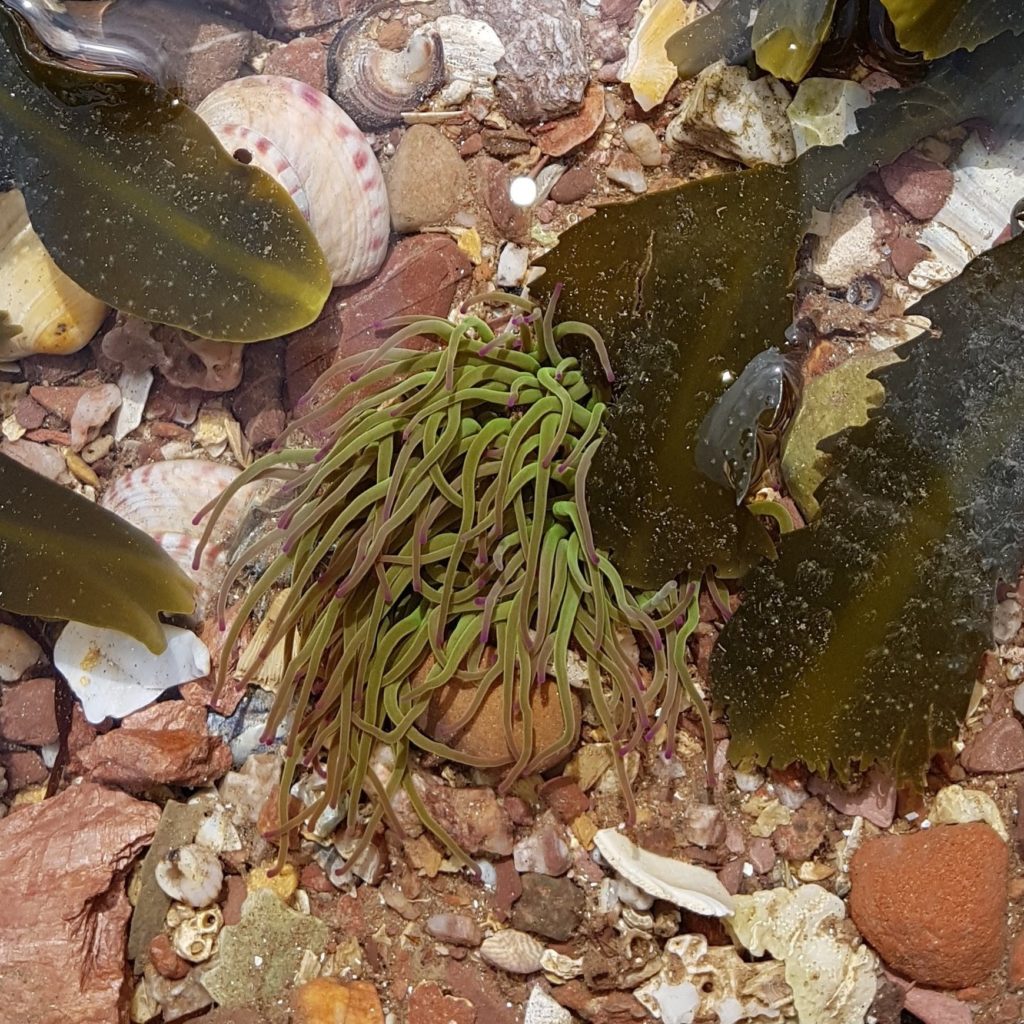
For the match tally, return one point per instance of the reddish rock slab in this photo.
(921, 186)
(556, 138)
(474, 983)
(23, 768)
(166, 744)
(304, 58)
(603, 1008)
(565, 798)
(420, 277)
(1015, 963)
(62, 940)
(998, 748)
(933, 903)
(874, 799)
(429, 1005)
(27, 715)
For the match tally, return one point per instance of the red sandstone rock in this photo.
(304, 58)
(420, 276)
(429, 1005)
(27, 715)
(164, 744)
(62, 939)
(23, 768)
(165, 960)
(998, 748)
(919, 185)
(933, 903)
(565, 798)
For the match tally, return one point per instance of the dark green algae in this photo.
(138, 202)
(863, 641)
(691, 283)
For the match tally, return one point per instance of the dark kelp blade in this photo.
(788, 34)
(139, 204)
(723, 34)
(689, 284)
(862, 642)
(62, 557)
(938, 27)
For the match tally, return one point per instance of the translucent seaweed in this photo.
(788, 34)
(139, 204)
(937, 27)
(66, 558)
(689, 284)
(862, 642)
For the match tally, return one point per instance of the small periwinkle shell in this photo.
(375, 86)
(311, 147)
(191, 874)
(745, 426)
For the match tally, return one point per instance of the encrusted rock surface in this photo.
(933, 903)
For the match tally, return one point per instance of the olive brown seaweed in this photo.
(863, 641)
(689, 284)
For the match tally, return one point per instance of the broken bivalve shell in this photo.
(376, 86)
(195, 938)
(191, 874)
(43, 310)
(647, 69)
(513, 951)
(163, 500)
(686, 885)
(312, 148)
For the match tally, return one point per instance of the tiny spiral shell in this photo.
(513, 951)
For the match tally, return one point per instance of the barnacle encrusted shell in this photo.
(54, 316)
(163, 499)
(307, 143)
(376, 85)
(686, 885)
(190, 874)
(194, 938)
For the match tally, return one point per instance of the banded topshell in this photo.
(310, 146)
(43, 309)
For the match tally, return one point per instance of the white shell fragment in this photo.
(736, 118)
(954, 805)
(832, 976)
(113, 675)
(472, 50)
(18, 653)
(647, 69)
(190, 874)
(698, 983)
(686, 885)
(986, 187)
(824, 111)
(513, 951)
(55, 315)
(307, 143)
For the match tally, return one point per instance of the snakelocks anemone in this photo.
(443, 523)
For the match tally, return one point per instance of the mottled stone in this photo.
(494, 184)
(999, 747)
(420, 276)
(165, 960)
(458, 929)
(27, 715)
(424, 179)
(933, 903)
(544, 71)
(543, 851)
(804, 834)
(304, 59)
(921, 186)
(62, 928)
(874, 799)
(258, 401)
(550, 907)
(565, 798)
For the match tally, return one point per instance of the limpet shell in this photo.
(314, 150)
(376, 86)
(513, 951)
(686, 885)
(42, 311)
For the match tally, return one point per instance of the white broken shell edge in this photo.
(824, 111)
(113, 674)
(686, 885)
(833, 978)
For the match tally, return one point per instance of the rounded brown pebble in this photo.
(574, 185)
(933, 903)
(165, 960)
(484, 736)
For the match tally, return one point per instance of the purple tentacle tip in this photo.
(512, 399)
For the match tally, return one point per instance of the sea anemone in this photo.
(444, 517)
